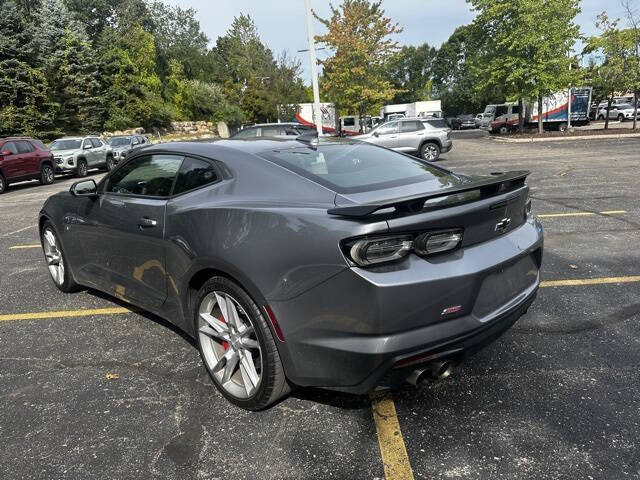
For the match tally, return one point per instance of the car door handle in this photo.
(147, 222)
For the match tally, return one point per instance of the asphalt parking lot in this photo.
(92, 390)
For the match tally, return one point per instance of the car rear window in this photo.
(354, 167)
(437, 123)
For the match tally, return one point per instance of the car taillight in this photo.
(430, 243)
(382, 249)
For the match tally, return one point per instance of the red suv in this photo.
(25, 159)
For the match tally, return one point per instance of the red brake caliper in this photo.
(225, 344)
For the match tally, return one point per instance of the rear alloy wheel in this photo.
(237, 347)
(430, 152)
(109, 163)
(82, 169)
(47, 176)
(3, 184)
(621, 118)
(504, 130)
(56, 263)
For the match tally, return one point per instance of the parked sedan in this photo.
(307, 262)
(22, 159)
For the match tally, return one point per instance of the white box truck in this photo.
(428, 108)
(504, 117)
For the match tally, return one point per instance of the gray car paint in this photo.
(268, 228)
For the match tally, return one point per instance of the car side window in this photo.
(388, 128)
(135, 141)
(194, 173)
(411, 126)
(95, 142)
(149, 176)
(247, 133)
(11, 147)
(273, 131)
(39, 144)
(87, 143)
(24, 147)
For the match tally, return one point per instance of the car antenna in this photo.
(309, 138)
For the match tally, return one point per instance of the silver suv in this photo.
(80, 154)
(419, 136)
(122, 145)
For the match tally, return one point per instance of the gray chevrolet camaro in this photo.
(331, 263)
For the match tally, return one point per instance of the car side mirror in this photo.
(86, 147)
(84, 188)
(5, 152)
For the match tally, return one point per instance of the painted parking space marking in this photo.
(64, 314)
(392, 448)
(582, 214)
(589, 281)
(25, 247)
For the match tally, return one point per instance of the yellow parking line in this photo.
(63, 314)
(23, 247)
(392, 449)
(581, 214)
(589, 281)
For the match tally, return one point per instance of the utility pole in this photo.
(317, 114)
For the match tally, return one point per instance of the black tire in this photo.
(273, 383)
(600, 117)
(3, 184)
(47, 174)
(430, 151)
(109, 164)
(68, 284)
(82, 170)
(621, 118)
(562, 127)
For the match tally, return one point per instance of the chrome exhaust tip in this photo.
(417, 376)
(440, 370)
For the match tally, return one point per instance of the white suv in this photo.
(81, 154)
(619, 111)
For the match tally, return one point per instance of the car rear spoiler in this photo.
(493, 185)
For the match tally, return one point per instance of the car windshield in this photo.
(624, 106)
(351, 168)
(66, 145)
(120, 141)
(437, 123)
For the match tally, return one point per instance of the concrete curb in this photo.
(561, 139)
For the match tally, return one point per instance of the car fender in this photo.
(435, 140)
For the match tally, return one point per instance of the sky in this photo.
(282, 23)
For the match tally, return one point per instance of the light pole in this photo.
(317, 114)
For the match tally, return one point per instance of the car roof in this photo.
(252, 145)
(6, 139)
(282, 124)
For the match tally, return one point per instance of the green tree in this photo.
(360, 37)
(24, 105)
(610, 52)
(455, 82)
(410, 73)
(525, 46)
(133, 87)
(178, 37)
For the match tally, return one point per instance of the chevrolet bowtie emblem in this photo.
(502, 225)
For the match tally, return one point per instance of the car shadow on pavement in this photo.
(145, 314)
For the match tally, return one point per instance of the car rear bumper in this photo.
(354, 332)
